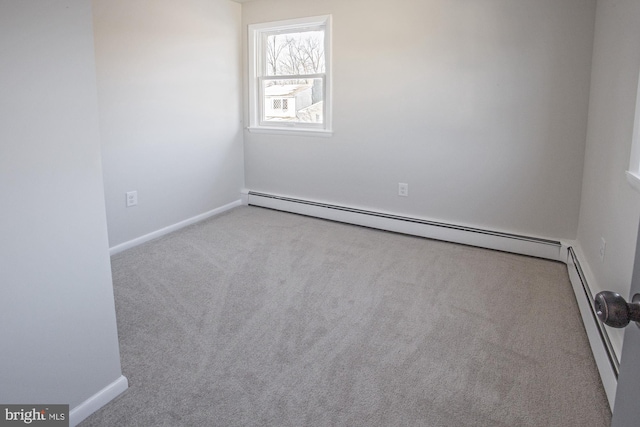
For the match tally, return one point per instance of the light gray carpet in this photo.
(263, 318)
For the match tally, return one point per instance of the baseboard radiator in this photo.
(604, 354)
(602, 332)
(508, 242)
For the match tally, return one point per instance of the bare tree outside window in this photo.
(295, 53)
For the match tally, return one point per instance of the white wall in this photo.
(58, 333)
(494, 134)
(610, 207)
(170, 115)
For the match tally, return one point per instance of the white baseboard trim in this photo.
(601, 348)
(507, 242)
(97, 401)
(166, 230)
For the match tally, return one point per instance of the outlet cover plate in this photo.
(132, 198)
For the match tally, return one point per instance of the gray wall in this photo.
(480, 106)
(610, 206)
(169, 99)
(58, 328)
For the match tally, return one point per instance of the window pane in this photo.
(295, 53)
(294, 101)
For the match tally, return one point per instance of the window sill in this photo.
(634, 179)
(289, 131)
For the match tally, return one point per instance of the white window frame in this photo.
(257, 32)
(633, 174)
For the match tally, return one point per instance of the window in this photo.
(633, 174)
(290, 76)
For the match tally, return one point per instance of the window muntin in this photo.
(289, 78)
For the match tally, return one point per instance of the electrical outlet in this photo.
(132, 198)
(403, 189)
(603, 246)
